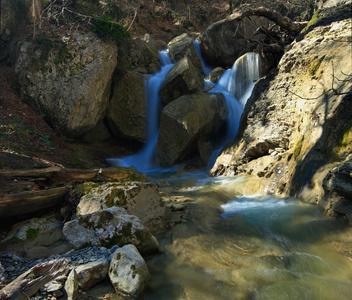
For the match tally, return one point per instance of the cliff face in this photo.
(296, 127)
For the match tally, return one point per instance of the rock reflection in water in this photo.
(250, 248)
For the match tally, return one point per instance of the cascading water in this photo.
(144, 160)
(205, 67)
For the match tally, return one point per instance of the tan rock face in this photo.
(298, 117)
(67, 81)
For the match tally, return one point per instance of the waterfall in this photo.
(205, 67)
(144, 160)
(236, 85)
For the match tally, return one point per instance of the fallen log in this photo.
(62, 175)
(27, 202)
(27, 284)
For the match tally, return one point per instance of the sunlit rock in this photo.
(128, 271)
(109, 227)
(139, 199)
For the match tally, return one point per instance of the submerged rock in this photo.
(139, 199)
(187, 124)
(182, 79)
(128, 271)
(109, 227)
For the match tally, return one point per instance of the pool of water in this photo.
(249, 247)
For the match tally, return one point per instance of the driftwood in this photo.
(27, 284)
(27, 202)
(272, 15)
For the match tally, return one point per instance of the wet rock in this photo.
(109, 227)
(182, 46)
(182, 79)
(127, 115)
(90, 274)
(187, 123)
(139, 199)
(128, 271)
(215, 74)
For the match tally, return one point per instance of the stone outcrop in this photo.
(187, 124)
(182, 79)
(182, 46)
(224, 41)
(296, 125)
(127, 114)
(128, 271)
(109, 227)
(71, 286)
(139, 199)
(68, 80)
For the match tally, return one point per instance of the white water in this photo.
(145, 160)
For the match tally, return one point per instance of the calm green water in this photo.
(237, 247)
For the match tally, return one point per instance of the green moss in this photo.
(117, 197)
(315, 66)
(32, 233)
(297, 148)
(344, 142)
(134, 271)
(121, 238)
(85, 187)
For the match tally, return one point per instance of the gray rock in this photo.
(109, 227)
(182, 79)
(139, 199)
(215, 74)
(128, 271)
(187, 124)
(71, 286)
(223, 42)
(90, 274)
(182, 46)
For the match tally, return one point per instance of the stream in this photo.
(232, 246)
(226, 245)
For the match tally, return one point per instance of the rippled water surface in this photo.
(249, 247)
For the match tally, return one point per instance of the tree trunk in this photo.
(27, 284)
(272, 15)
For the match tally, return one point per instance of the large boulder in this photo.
(182, 46)
(182, 79)
(107, 228)
(296, 126)
(126, 114)
(187, 122)
(224, 41)
(128, 271)
(139, 199)
(68, 80)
